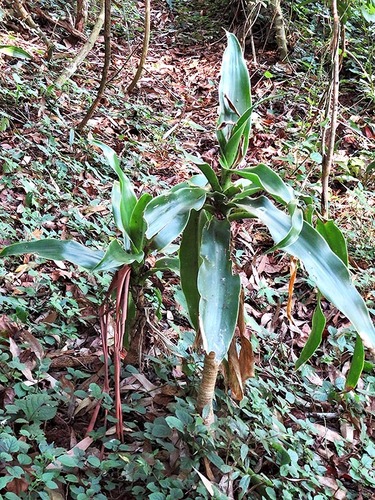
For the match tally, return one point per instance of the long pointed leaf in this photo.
(116, 257)
(57, 250)
(356, 365)
(128, 198)
(12, 50)
(315, 337)
(231, 149)
(219, 289)
(207, 170)
(268, 180)
(137, 223)
(335, 239)
(296, 217)
(234, 93)
(167, 215)
(189, 264)
(327, 270)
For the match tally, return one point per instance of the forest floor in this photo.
(296, 434)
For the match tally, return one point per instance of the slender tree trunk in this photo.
(280, 29)
(329, 136)
(107, 62)
(82, 54)
(25, 16)
(81, 15)
(146, 42)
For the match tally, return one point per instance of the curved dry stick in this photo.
(146, 42)
(107, 62)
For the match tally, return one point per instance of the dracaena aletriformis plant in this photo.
(125, 257)
(202, 211)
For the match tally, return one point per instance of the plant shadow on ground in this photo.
(295, 434)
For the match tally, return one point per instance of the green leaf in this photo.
(116, 206)
(175, 423)
(356, 365)
(335, 239)
(296, 216)
(11, 50)
(116, 257)
(231, 148)
(167, 264)
(68, 460)
(124, 205)
(268, 180)
(137, 224)
(57, 250)
(329, 273)
(4, 481)
(189, 264)
(37, 407)
(219, 289)
(206, 170)
(234, 94)
(315, 337)
(167, 215)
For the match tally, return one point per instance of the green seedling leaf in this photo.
(206, 170)
(268, 180)
(68, 460)
(335, 239)
(315, 337)
(175, 423)
(167, 215)
(57, 250)
(37, 407)
(189, 264)
(329, 273)
(124, 204)
(356, 365)
(13, 51)
(219, 289)
(234, 95)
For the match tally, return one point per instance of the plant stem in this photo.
(328, 149)
(146, 41)
(81, 56)
(107, 62)
(207, 388)
(280, 29)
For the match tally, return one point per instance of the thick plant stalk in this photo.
(280, 29)
(146, 42)
(107, 62)
(207, 388)
(82, 54)
(329, 137)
